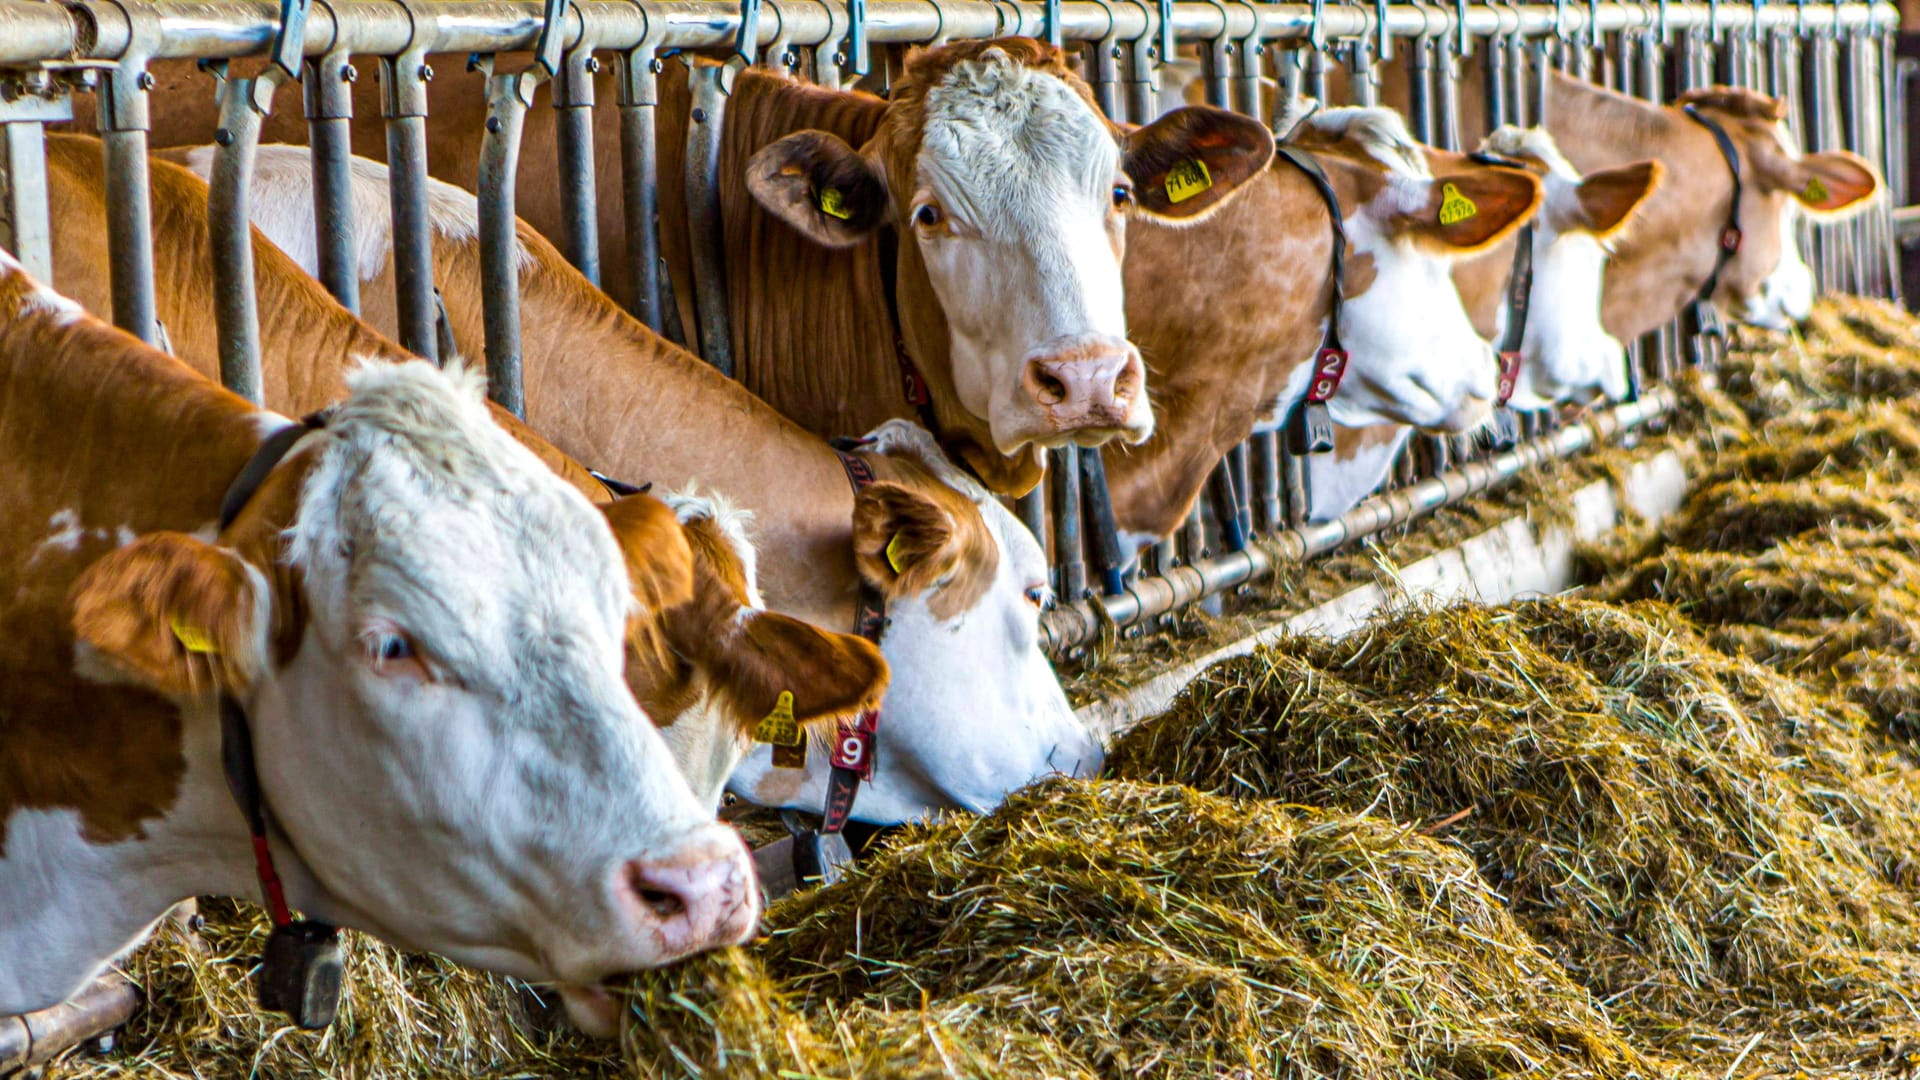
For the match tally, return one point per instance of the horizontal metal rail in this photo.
(32, 31)
(1069, 626)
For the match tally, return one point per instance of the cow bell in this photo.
(1312, 429)
(301, 973)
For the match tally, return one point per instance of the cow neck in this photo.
(913, 385)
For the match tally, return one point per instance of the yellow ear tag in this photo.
(1816, 192)
(893, 553)
(1455, 207)
(834, 204)
(779, 728)
(192, 639)
(1187, 179)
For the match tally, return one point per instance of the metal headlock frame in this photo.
(1253, 508)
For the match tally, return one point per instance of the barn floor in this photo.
(1668, 827)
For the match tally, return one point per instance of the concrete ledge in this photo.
(1507, 562)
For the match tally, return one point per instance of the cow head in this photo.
(1768, 283)
(1416, 357)
(425, 627)
(712, 667)
(977, 710)
(1567, 354)
(1009, 194)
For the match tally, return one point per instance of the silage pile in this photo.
(1800, 544)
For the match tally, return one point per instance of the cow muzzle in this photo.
(1088, 392)
(700, 896)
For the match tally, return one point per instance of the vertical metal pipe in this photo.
(508, 98)
(1063, 480)
(1627, 67)
(1032, 510)
(1104, 556)
(1224, 501)
(640, 183)
(1493, 59)
(1140, 90)
(1652, 68)
(704, 224)
(1420, 89)
(403, 81)
(1265, 469)
(328, 90)
(123, 133)
(1446, 94)
(1542, 79)
(1517, 99)
(1099, 61)
(579, 196)
(1360, 83)
(1293, 477)
(23, 160)
(1313, 77)
(230, 233)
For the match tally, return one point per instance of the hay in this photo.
(1157, 931)
(1709, 848)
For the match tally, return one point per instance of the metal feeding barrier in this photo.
(1831, 61)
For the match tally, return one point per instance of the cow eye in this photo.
(1122, 196)
(390, 648)
(927, 216)
(1040, 596)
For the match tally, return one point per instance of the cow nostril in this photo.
(1048, 389)
(663, 904)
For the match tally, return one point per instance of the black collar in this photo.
(1730, 234)
(1310, 426)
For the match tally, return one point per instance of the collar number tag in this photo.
(1455, 207)
(1187, 179)
(834, 204)
(779, 728)
(1509, 376)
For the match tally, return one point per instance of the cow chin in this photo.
(1469, 415)
(1053, 430)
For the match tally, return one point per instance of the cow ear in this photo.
(830, 675)
(1187, 162)
(659, 561)
(903, 541)
(1834, 182)
(181, 615)
(1608, 197)
(1469, 212)
(818, 184)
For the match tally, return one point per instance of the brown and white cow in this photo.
(963, 580)
(706, 659)
(989, 157)
(423, 625)
(1229, 312)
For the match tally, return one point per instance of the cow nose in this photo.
(700, 896)
(1088, 386)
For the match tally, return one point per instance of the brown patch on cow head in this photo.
(915, 534)
(178, 614)
(1736, 102)
(716, 642)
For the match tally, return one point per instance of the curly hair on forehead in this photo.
(928, 68)
(1736, 101)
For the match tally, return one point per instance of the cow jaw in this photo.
(1785, 296)
(488, 789)
(1011, 207)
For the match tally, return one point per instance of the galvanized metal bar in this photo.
(508, 99)
(638, 76)
(573, 103)
(1031, 508)
(1074, 624)
(328, 92)
(709, 86)
(37, 1038)
(1447, 95)
(1104, 558)
(23, 161)
(230, 230)
(1420, 89)
(403, 86)
(1063, 485)
(123, 125)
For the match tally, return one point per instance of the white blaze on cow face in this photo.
(1567, 354)
(1013, 211)
(1785, 296)
(975, 710)
(452, 750)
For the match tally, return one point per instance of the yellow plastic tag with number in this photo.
(834, 204)
(193, 639)
(1187, 179)
(779, 728)
(1816, 192)
(1455, 207)
(893, 553)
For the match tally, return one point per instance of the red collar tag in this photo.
(1329, 367)
(1509, 375)
(853, 744)
(1730, 238)
(912, 383)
